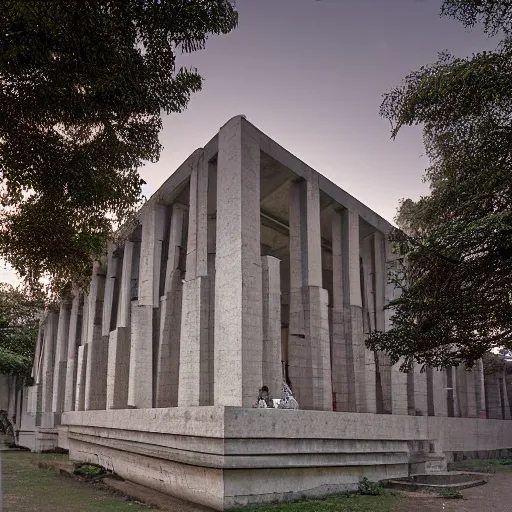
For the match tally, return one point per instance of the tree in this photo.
(19, 319)
(454, 249)
(83, 87)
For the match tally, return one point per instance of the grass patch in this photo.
(386, 502)
(26, 488)
(482, 466)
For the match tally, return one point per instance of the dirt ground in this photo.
(495, 496)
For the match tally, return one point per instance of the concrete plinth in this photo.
(224, 457)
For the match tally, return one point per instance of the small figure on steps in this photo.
(287, 399)
(264, 400)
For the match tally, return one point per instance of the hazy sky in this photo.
(311, 75)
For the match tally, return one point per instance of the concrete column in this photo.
(109, 311)
(61, 356)
(97, 345)
(81, 357)
(452, 400)
(73, 343)
(124, 304)
(140, 385)
(382, 361)
(170, 315)
(272, 371)
(417, 391)
(398, 378)
(368, 296)
(50, 336)
(466, 392)
(238, 279)
(480, 389)
(308, 353)
(212, 228)
(436, 392)
(193, 364)
(118, 368)
(353, 312)
(504, 397)
(493, 396)
(339, 362)
(297, 252)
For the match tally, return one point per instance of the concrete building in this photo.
(244, 268)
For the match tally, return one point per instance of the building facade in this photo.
(245, 268)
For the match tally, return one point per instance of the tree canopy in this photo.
(454, 249)
(83, 88)
(19, 318)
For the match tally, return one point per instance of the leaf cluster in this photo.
(83, 85)
(453, 269)
(19, 318)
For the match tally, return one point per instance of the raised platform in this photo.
(224, 457)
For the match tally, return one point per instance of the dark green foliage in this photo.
(18, 330)
(368, 488)
(84, 85)
(454, 266)
(89, 470)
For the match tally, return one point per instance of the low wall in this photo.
(224, 457)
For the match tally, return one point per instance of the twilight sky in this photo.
(310, 74)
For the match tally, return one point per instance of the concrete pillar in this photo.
(238, 279)
(194, 381)
(417, 391)
(339, 361)
(436, 392)
(97, 345)
(452, 399)
(124, 304)
(353, 312)
(212, 228)
(50, 336)
(504, 397)
(369, 325)
(81, 357)
(272, 370)
(108, 322)
(398, 378)
(466, 392)
(74, 340)
(119, 341)
(140, 385)
(493, 396)
(382, 361)
(168, 362)
(61, 356)
(308, 343)
(480, 389)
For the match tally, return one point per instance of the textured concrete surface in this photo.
(220, 456)
(238, 283)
